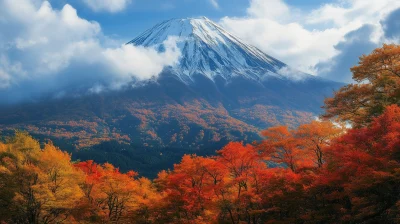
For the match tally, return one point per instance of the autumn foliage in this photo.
(377, 85)
(319, 172)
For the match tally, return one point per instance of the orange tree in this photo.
(315, 137)
(112, 196)
(378, 80)
(280, 146)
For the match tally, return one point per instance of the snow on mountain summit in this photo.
(209, 50)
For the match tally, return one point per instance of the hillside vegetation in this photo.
(320, 172)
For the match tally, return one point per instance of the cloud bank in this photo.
(325, 41)
(47, 51)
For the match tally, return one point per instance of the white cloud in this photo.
(305, 39)
(140, 62)
(107, 5)
(271, 9)
(355, 43)
(291, 42)
(48, 40)
(4, 79)
(96, 89)
(345, 12)
(56, 49)
(214, 3)
(8, 70)
(291, 73)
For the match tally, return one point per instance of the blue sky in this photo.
(139, 15)
(47, 46)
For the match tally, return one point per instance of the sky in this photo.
(51, 47)
(139, 15)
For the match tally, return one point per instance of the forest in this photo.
(341, 168)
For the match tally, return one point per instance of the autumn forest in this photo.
(341, 168)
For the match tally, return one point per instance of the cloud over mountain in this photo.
(307, 40)
(47, 50)
(355, 43)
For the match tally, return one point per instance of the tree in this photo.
(315, 137)
(280, 146)
(241, 196)
(378, 82)
(149, 202)
(110, 193)
(191, 189)
(38, 185)
(58, 188)
(93, 173)
(364, 171)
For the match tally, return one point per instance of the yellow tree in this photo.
(58, 187)
(18, 156)
(148, 202)
(39, 185)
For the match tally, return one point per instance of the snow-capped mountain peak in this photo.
(209, 50)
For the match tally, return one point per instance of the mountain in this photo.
(209, 50)
(221, 90)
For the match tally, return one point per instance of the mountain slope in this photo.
(211, 51)
(222, 90)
